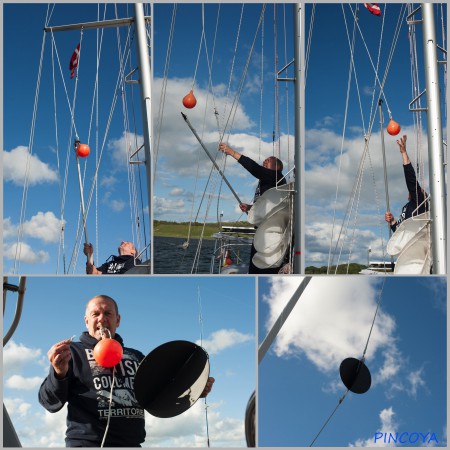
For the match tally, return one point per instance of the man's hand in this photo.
(229, 151)
(388, 217)
(92, 270)
(88, 249)
(59, 356)
(208, 387)
(245, 207)
(402, 144)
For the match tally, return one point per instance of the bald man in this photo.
(75, 378)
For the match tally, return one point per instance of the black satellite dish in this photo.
(171, 378)
(355, 375)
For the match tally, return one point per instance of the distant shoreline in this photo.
(163, 228)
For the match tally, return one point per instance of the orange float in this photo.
(108, 352)
(393, 128)
(189, 100)
(83, 150)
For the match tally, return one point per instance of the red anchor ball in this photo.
(189, 100)
(108, 352)
(393, 128)
(83, 150)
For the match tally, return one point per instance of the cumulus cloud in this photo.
(117, 205)
(189, 429)
(224, 339)
(164, 206)
(16, 356)
(15, 165)
(23, 252)
(121, 149)
(327, 328)
(16, 406)
(25, 383)
(45, 226)
(330, 180)
(388, 425)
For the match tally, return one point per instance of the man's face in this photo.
(101, 312)
(267, 163)
(127, 248)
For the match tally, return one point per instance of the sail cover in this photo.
(271, 213)
(412, 244)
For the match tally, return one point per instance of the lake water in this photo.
(170, 258)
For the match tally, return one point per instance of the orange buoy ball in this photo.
(393, 128)
(83, 150)
(108, 352)
(189, 100)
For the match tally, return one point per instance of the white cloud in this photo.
(24, 253)
(25, 383)
(322, 175)
(326, 328)
(189, 429)
(45, 226)
(120, 149)
(224, 339)
(15, 165)
(163, 206)
(177, 191)
(117, 205)
(16, 356)
(388, 425)
(16, 406)
(9, 230)
(416, 381)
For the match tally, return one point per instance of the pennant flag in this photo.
(373, 8)
(74, 61)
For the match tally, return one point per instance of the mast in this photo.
(438, 209)
(146, 105)
(299, 139)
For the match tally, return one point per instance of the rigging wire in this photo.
(358, 182)
(200, 321)
(361, 361)
(20, 230)
(309, 42)
(350, 72)
(162, 101)
(61, 246)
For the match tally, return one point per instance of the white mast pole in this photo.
(435, 144)
(299, 144)
(146, 105)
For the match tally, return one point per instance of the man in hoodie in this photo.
(114, 264)
(416, 195)
(269, 175)
(75, 378)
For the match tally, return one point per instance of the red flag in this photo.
(74, 61)
(373, 8)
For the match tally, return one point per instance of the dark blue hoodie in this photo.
(86, 389)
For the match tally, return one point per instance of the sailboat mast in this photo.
(299, 144)
(438, 209)
(146, 105)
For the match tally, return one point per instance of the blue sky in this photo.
(299, 383)
(111, 218)
(179, 156)
(327, 76)
(153, 311)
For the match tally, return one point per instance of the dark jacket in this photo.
(268, 178)
(417, 197)
(118, 264)
(86, 389)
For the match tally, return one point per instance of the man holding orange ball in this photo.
(96, 394)
(416, 195)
